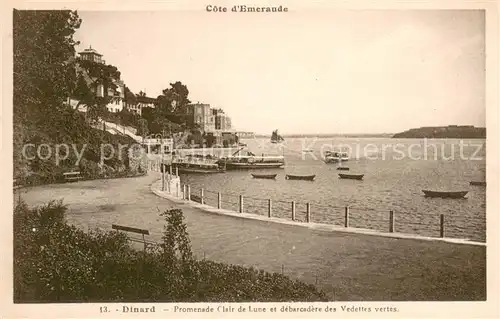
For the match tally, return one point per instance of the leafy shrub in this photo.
(89, 169)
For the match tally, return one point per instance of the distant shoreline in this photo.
(431, 132)
(388, 135)
(450, 131)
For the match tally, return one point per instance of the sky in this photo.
(329, 71)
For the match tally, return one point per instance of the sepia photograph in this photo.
(219, 159)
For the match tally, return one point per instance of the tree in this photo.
(44, 73)
(128, 118)
(130, 97)
(175, 237)
(174, 100)
(164, 104)
(179, 93)
(142, 129)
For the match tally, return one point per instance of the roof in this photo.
(90, 51)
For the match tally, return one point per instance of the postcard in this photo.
(279, 159)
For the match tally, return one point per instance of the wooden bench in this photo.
(137, 231)
(72, 176)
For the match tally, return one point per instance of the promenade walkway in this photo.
(347, 266)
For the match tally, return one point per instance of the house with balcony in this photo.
(115, 94)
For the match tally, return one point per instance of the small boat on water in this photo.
(342, 168)
(301, 177)
(276, 138)
(443, 194)
(335, 157)
(264, 176)
(477, 183)
(352, 176)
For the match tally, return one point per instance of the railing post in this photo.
(269, 208)
(171, 169)
(177, 189)
(184, 197)
(189, 193)
(308, 212)
(202, 201)
(346, 218)
(241, 203)
(441, 226)
(144, 241)
(177, 171)
(293, 210)
(219, 200)
(391, 221)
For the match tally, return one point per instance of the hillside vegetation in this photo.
(45, 75)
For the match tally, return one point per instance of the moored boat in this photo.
(335, 157)
(196, 165)
(477, 183)
(351, 176)
(251, 161)
(264, 176)
(276, 138)
(342, 168)
(301, 177)
(444, 194)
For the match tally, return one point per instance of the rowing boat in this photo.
(442, 194)
(342, 168)
(478, 183)
(264, 176)
(301, 177)
(351, 176)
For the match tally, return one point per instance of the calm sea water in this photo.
(396, 171)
